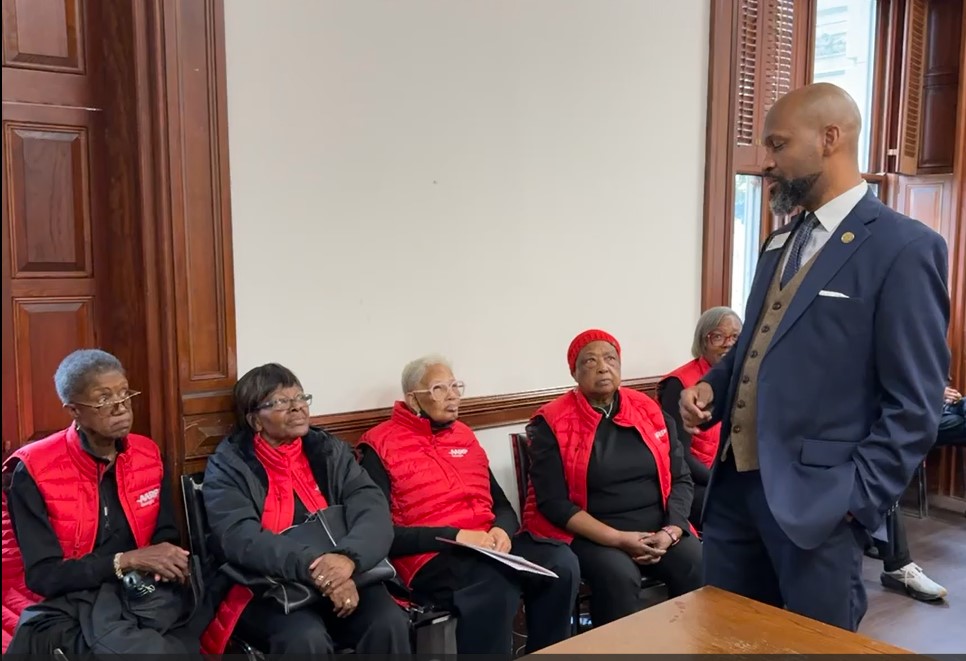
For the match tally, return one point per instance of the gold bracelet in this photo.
(117, 565)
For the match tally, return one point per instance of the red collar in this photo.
(403, 415)
(277, 458)
(79, 451)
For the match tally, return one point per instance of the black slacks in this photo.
(485, 595)
(894, 552)
(615, 579)
(377, 626)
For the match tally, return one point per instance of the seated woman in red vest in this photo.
(438, 481)
(81, 509)
(716, 332)
(608, 477)
(270, 474)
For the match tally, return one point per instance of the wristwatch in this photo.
(117, 566)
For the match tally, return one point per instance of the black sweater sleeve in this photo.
(408, 540)
(45, 570)
(506, 518)
(682, 487)
(547, 475)
(166, 530)
(670, 396)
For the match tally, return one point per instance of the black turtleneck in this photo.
(622, 482)
(410, 540)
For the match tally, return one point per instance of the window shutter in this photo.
(913, 66)
(777, 69)
(747, 67)
(771, 48)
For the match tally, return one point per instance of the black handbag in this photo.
(321, 532)
(161, 605)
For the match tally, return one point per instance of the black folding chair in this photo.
(198, 533)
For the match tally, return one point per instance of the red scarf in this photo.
(289, 474)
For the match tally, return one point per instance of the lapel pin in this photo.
(848, 237)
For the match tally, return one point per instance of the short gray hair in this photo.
(76, 370)
(414, 372)
(707, 322)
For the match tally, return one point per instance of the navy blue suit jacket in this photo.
(849, 390)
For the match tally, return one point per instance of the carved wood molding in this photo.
(204, 430)
(181, 92)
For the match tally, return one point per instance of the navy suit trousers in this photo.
(746, 552)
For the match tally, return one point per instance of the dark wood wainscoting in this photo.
(204, 430)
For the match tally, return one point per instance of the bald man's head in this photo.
(817, 107)
(811, 136)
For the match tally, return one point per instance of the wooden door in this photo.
(49, 202)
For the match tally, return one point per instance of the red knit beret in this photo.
(585, 338)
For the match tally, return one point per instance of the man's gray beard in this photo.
(791, 194)
(782, 204)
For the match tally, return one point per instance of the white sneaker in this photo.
(914, 581)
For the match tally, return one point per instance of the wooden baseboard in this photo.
(948, 503)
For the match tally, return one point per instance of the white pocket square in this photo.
(833, 294)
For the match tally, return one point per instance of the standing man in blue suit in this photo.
(830, 399)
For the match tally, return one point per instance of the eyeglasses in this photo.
(719, 339)
(107, 404)
(286, 403)
(440, 391)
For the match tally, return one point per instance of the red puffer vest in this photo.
(574, 423)
(68, 478)
(289, 473)
(438, 479)
(704, 444)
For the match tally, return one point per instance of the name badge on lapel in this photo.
(777, 242)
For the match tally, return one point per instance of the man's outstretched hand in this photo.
(695, 406)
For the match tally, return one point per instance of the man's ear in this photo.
(831, 139)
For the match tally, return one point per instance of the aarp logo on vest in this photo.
(149, 497)
(458, 452)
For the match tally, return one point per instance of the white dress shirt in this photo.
(830, 215)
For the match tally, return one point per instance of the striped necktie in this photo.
(798, 245)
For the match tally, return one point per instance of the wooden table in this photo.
(712, 621)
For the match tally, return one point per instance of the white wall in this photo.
(481, 179)
(496, 442)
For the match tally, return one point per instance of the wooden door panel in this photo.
(44, 87)
(50, 207)
(44, 35)
(49, 188)
(46, 330)
(927, 198)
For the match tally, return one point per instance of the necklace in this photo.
(606, 411)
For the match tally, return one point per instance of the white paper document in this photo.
(514, 561)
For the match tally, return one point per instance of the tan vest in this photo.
(743, 439)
